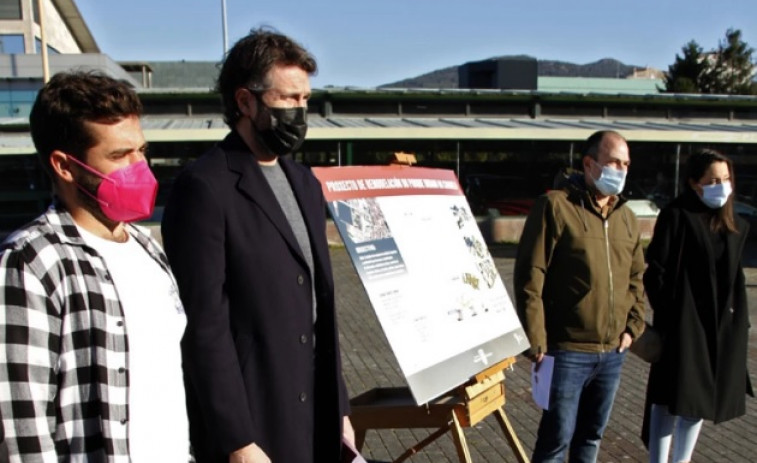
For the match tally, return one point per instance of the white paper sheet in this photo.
(541, 381)
(350, 453)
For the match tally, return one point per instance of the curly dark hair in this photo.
(249, 61)
(69, 100)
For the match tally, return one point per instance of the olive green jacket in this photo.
(578, 276)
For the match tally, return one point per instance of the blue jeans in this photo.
(581, 396)
(664, 427)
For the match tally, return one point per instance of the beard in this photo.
(86, 194)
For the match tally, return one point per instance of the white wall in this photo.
(57, 34)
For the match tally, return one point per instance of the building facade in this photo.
(506, 146)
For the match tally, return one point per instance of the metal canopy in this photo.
(212, 128)
(76, 24)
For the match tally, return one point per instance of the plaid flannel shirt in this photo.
(64, 372)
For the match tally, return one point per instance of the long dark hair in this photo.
(696, 166)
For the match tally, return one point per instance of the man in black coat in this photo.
(244, 230)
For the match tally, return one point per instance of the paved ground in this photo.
(369, 363)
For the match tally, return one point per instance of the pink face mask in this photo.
(127, 194)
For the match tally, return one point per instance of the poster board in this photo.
(427, 271)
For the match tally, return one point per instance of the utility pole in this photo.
(43, 41)
(225, 34)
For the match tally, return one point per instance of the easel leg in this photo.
(360, 438)
(457, 435)
(512, 439)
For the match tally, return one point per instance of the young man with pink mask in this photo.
(90, 318)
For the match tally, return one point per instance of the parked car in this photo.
(515, 195)
(502, 194)
(643, 207)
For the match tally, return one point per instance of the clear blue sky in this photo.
(369, 43)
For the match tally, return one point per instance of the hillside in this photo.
(447, 77)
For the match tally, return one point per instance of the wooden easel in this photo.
(394, 408)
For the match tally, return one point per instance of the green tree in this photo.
(689, 71)
(727, 70)
(733, 70)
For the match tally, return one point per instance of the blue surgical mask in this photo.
(715, 196)
(611, 181)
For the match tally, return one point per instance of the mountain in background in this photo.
(447, 77)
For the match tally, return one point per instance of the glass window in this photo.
(38, 48)
(10, 9)
(12, 44)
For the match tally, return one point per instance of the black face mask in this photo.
(282, 130)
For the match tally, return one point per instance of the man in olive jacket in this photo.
(579, 296)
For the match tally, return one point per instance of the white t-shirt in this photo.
(155, 321)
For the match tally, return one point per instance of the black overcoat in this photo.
(702, 372)
(251, 371)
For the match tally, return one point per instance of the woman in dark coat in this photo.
(695, 285)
